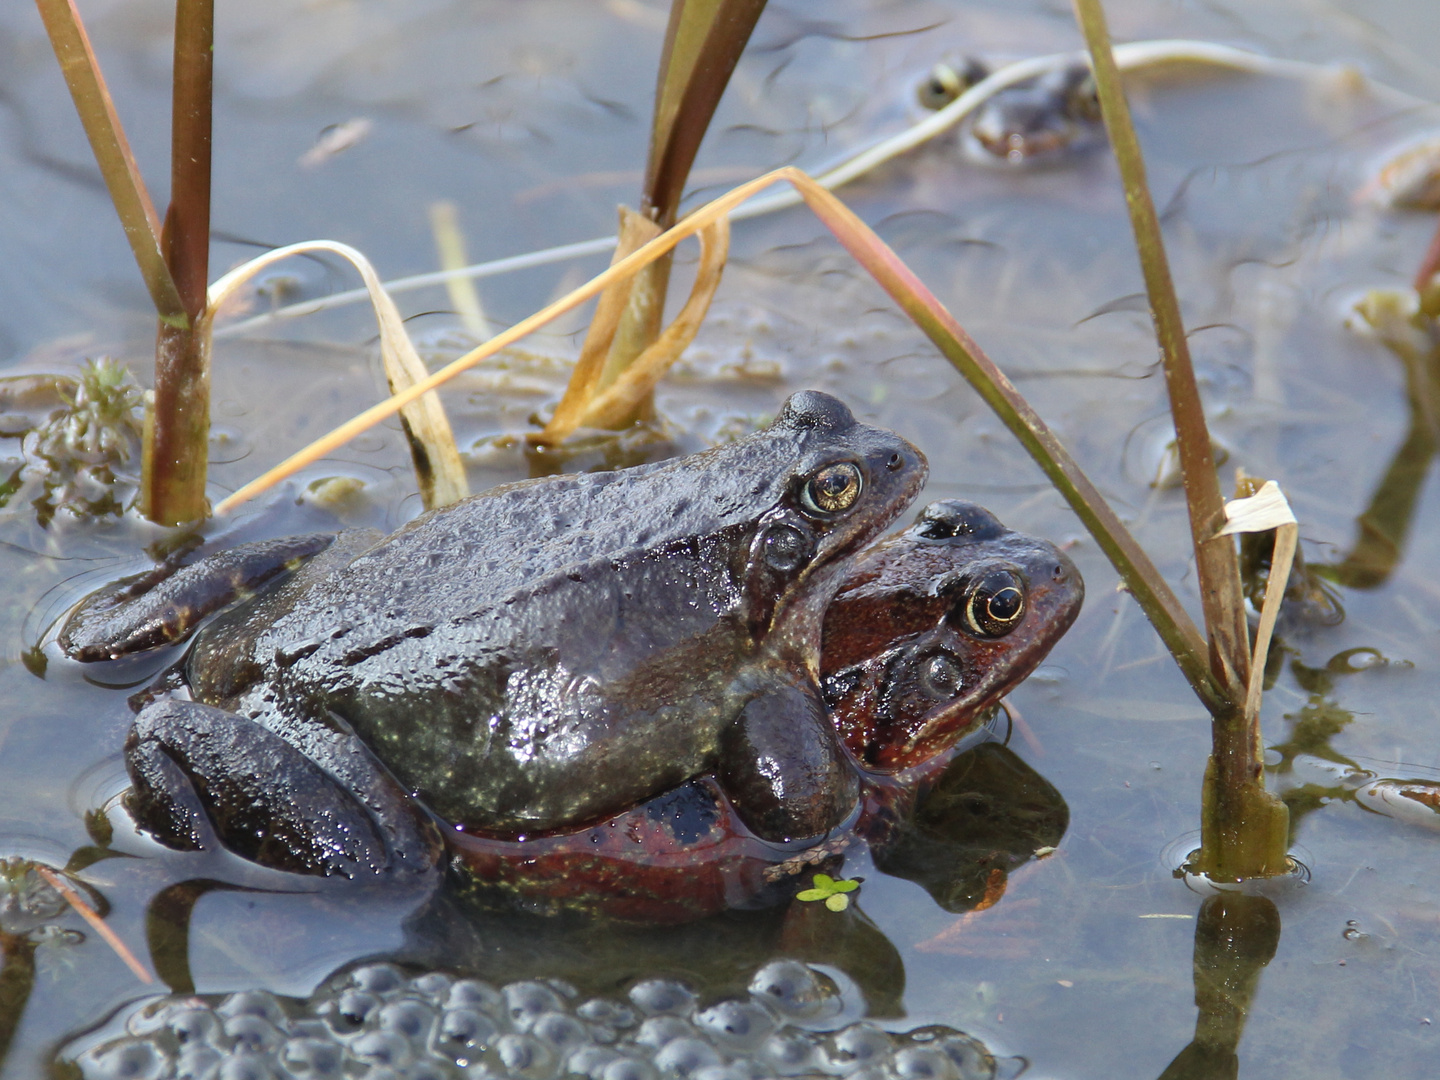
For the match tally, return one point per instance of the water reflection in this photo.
(1235, 937)
(1309, 770)
(986, 815)
(33, 914)
(1382, 528)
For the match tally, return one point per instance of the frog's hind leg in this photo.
(164, 605)
(198, 771)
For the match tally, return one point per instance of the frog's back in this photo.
(513, 540)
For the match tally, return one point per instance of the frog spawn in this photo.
(377, 1021)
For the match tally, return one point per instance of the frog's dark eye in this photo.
(941, 677)
(833, 489)
(1083, 100)
(992, 605)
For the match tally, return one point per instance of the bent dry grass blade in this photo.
(1138, 572)
(634, 232)
(608, 408)
(438, 467)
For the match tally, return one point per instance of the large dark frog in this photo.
(931, 628)
(544, 655)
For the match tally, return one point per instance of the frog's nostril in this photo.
(1057, 574)
(895, 461)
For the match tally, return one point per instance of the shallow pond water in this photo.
(532, 119)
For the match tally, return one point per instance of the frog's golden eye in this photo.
(833, 489)
(942, 86)
(992, 605)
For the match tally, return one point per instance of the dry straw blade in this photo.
(450, 246)
(437, 461)
(1138, 572)
(596, 408)
(112, 153)
(1265, 510)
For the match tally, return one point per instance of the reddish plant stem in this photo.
(178, 447)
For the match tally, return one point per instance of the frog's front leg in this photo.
(198, 769)
(782, 765)
(164, 605)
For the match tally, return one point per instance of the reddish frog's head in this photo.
(934, 625)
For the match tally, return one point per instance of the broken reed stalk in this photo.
(1239, 819)
(177, 429)
(173, 260)
(703, 43)
(1140, 575)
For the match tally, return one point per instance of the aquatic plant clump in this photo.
(74, 461)
(793, 1022)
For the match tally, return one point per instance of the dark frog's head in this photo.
(841, 483)
(933, 626)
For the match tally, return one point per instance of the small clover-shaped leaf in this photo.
(831, 891)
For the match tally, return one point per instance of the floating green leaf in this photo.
(831, 891)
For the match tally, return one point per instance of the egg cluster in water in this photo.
(379, 1023)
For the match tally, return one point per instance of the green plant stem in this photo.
(1217, 566)
(703, 43)
(173, 485)
(177, 428)
(1244, 829)
(112, 152)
